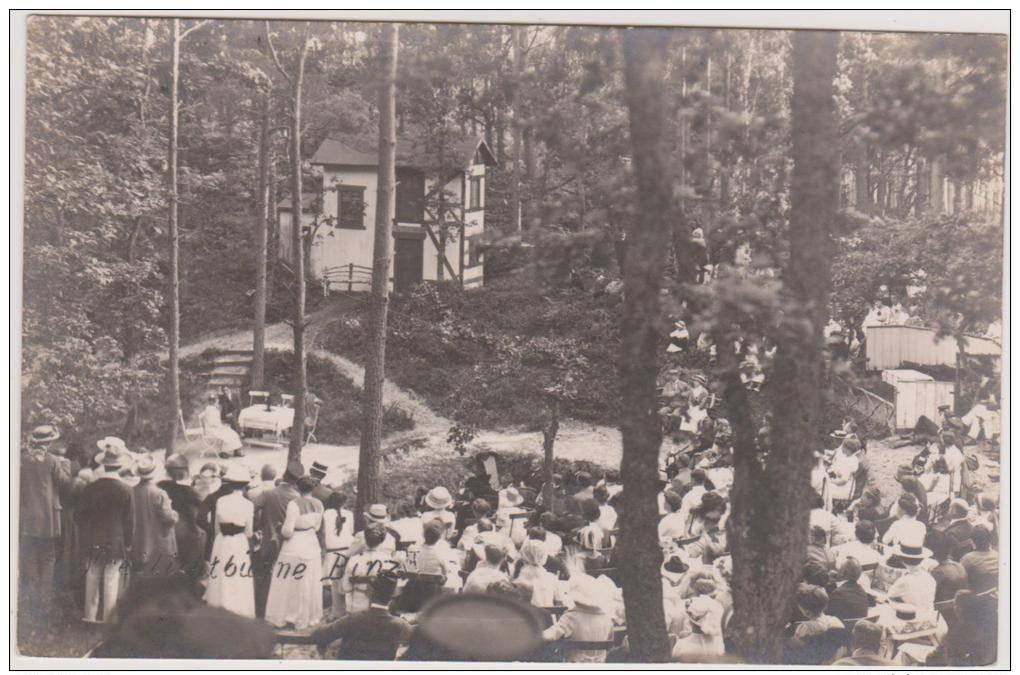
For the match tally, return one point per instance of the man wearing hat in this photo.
(186, 503)
(154, 548)
(270, 512)
(378, 514)
(916, 586)
(106, 526)
(318, 471)
(43, 477)
(439, 500)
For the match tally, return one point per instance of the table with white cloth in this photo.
(276, 420)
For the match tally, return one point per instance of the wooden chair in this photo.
(193, 434)
(310, 422)
(256, 397)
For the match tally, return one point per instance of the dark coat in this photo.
(373, 634)
(960, 531)
(190, 536)
(848, 601)
(106, 522)
(270, 512)
(154, 551)
(42, 481)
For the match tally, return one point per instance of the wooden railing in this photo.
(349, 277)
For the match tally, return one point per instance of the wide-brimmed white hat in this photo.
(114, 457)
(145, 466)
(377, 513)
(438, 498)
(111, 442)
(510, 497)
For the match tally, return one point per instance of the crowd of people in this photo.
(908, 578)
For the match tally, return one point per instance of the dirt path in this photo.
(576, 440)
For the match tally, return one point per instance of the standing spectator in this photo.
(338, 533)
(982, 564)
(230, 575)
(43, 477)
(106, 523)
(267, 481)
(154, 547)
(185, 502)
(208, 480)
(270, 512)
(322, 491)
(295, 592)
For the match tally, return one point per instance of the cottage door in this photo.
(408, 263)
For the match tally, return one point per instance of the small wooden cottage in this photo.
(342, 215)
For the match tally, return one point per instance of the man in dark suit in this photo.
(372, 634)
(106, 528)
(184, 500)
(849, 600)
(318, 471)
(867, 644)
(270, 512)
(43, 477)
(959, 528)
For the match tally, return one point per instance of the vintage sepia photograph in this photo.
(526, 343)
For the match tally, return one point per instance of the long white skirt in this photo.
(230, 580)
(226, 437)
(292, 599)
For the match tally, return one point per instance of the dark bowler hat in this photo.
(294, 471)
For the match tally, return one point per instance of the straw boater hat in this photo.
(377, 513)
(114, 457)
(838, 434)
(145, 466)
(911, 548)
(44, 434)
(438, 498)
(236, 473)
(699, 379)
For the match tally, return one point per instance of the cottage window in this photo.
(476, 193)
(350, 207)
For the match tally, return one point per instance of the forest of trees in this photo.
(157, 151)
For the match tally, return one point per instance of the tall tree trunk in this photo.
(645, 55)
(273, 218)
(372, 406)
(258, 364)
(174, 375)
(297, 432)
(549, 431)
(516, 144)
(770, 513)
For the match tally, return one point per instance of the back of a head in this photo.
(601, 494)
(268, 473)
(336, 501)
(908, 504)
(815, 573)
(381, 588)
(982, 537)
(433, 531)
(536, 533)
(865, 531)
(813, 599)
(590, 510)
(698, 476)
(480, 508)
(375, 534)
(818, 535)
(583, 479)
(305, 484)
(851, 569)
(547, 520)
(940, 543)
(493, 555)
(673, 500)
(868, 635)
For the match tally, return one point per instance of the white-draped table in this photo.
(276, 420)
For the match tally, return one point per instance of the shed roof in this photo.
(355, 150)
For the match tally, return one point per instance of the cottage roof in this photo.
(355, 150)
(307, 202)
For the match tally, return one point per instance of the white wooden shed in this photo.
(916, 394)
(894, 346)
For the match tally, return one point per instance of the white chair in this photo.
(209, 444)
(287, 400)
(257, 397)
(311, 420)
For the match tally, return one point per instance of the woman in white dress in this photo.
(213, 426)
(230, 575)
(337, 535)
(295, 593)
